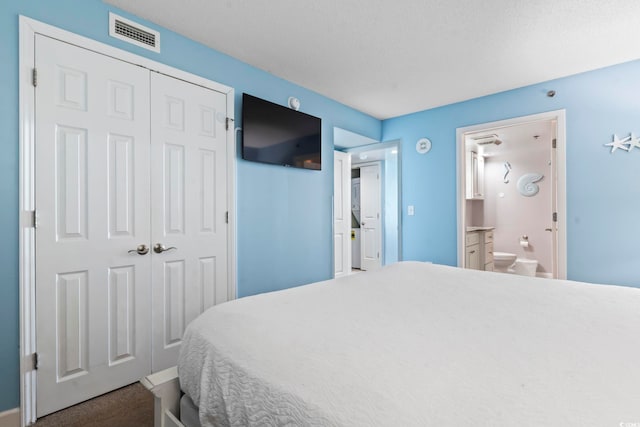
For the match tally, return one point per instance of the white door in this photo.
(342, 213)
(189, 204)
(99, 282)
(92, 200)
(370, 226)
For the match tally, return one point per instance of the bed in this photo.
(417, 344)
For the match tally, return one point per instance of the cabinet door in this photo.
(488, 252)
(475, 176)
(472, 259)
(479, 177)
(469, 175)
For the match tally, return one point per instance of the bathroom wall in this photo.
(513, 214)
(474, 212)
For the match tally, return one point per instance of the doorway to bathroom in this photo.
(511, 195)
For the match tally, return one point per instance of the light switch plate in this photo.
(410, 210)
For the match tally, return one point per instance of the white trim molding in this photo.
(10, 418)
(28, 30)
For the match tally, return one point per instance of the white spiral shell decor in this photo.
(527, 184)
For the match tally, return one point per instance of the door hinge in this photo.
(34, 219)
(555, 217)
(34, 77)
(226, 122)
(226, 217)
(378, 215)
(378, 255)
(34, 361)
(554, 143)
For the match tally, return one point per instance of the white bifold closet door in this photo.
(129, 165)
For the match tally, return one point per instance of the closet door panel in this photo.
(92, 144)
(189, 199)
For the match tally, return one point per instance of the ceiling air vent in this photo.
(133, 33)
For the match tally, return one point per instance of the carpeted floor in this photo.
(130, 406)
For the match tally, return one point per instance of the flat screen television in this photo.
(279, 135)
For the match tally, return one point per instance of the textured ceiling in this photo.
(389, 58)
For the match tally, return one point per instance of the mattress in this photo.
(416, 344)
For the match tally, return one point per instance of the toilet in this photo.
(502, 261)
(507, 262)
(525, 267)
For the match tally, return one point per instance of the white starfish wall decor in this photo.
(634, 141)
(623, 144)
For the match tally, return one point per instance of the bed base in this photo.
(166, 392)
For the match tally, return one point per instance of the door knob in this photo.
(159, 248)
(140, 250)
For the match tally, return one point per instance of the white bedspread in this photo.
(417, 344)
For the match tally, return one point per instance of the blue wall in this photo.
(284, 215)
(603, 189)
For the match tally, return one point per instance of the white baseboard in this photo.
(10, 418)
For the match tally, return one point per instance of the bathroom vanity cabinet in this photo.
(487, 249)
(479, 249)
(472, 251)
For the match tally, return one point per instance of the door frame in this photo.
(27, 218)
(395, 144)
(561, 198)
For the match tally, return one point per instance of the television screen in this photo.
(279, 135)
